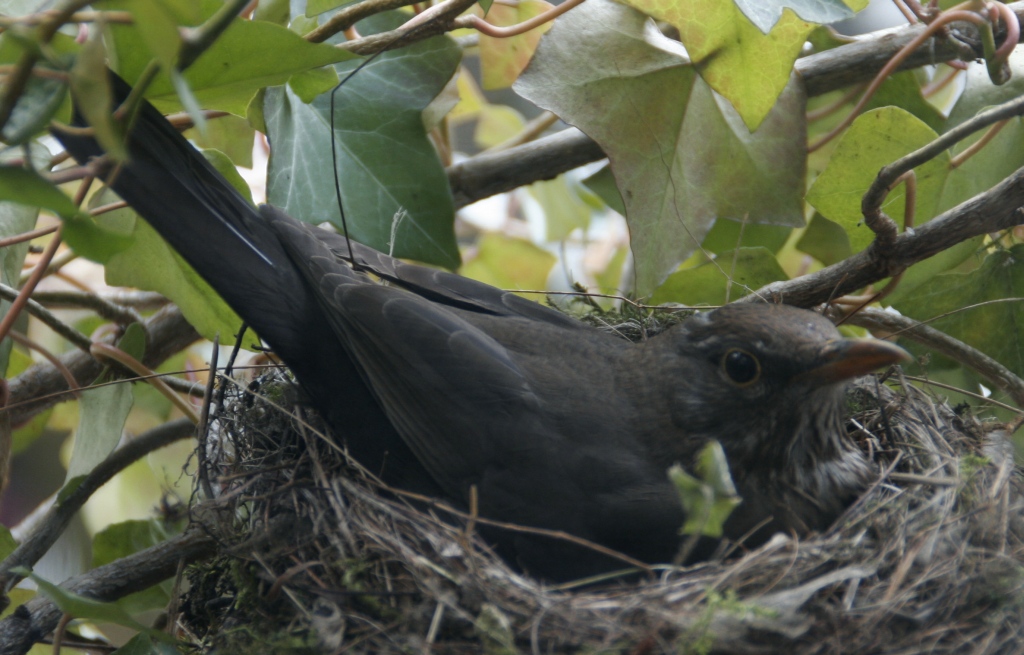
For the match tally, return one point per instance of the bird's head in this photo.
(767, 381)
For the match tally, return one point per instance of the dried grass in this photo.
(318, 559)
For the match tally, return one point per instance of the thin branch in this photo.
(198, 39)
(499, 32)
(893, 65)
(489, 174)
(72, 335)
(64, 509)
(106, 351)
(349, 16)
(991, 211)
(42, 386)
(871, 204)
(111, 305)
(419, 28)
(995, 373)
(38, 617)
(120, 313)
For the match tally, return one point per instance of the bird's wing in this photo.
(452, 391)
(443, 287)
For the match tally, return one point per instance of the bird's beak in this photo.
(844, 359)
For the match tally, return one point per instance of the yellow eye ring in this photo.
(741, 367)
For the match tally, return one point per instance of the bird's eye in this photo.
(741, 367)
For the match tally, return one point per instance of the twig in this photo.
(110, 304)
(401, 37)
(61, 512)
(39, 387)
(991, 211)
(72, 335)
(349, 16)
(36, 618)
(887, 177)
(498, 32)
(103, 351)
(995, 373)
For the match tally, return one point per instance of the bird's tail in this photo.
(221, 235)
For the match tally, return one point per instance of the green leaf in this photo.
(145, 644)
(681, 156)
(825, 240)
(127, 538)
(36, 107)
(90, 238)
(7, 542)
(729, 234)
(102, 413)
(393, 185)
(230, 72)
(749, 68)
(979, 93)
(502, 60)
(25, 187)
(307, 85)
(509, 263)
(1003, 154)
(943, 262)
(731, 275)
(90, 86)
(765, 13)
(159, 30)
(876, 139)
(609, 280)
(564, 211)
(227, 169)
(708, 497)
(69, 488)
(496, 124)
(81, 607)
(602, 183)
(133, 341)
(996, 329)
(151, 264)
(230, 135)
(17, 219)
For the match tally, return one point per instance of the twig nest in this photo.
(317, 555)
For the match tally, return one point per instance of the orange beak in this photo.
(844, 359)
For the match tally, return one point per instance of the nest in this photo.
(317, 557)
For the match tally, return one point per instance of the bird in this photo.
(457, 390)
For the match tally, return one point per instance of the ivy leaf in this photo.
(564, 211)
(995, 329)
(151, 264)
(749, 68)
(509, 263)
(102, 413)
(708, 497)
(875, 139)
(25, 187)
(89, 609)
(680, 154)
(765, 13)
(730, 276)
(502, 60)
(248, 56)
(394, 189)
(90, 86)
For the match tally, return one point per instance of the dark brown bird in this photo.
(439, 383)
